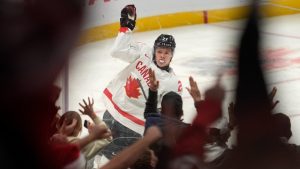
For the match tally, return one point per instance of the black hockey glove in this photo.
(128, 17)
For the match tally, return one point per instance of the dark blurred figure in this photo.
(36, 39)
(169, 119)
(282, 126)
(258, 147)
(217, 152)
(188, 152)
(282, 132)
(147, 160)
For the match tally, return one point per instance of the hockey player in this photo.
(126, 94)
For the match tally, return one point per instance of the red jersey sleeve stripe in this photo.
(123, 29)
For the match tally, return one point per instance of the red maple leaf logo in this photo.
(132, 88)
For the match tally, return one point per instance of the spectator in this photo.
(169, 119)
(171, 105)
(188, 151)
(70, 125)
(217, 152)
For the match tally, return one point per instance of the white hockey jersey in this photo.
(126, 95)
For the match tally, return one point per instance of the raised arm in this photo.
(151, 104)
(96, 132)
(87, 109)
(194, 91)
(193, 138)
(124, 48)
(271, 96)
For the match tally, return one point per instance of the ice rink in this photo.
(202, 51)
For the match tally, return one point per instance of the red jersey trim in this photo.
(123, 29)
(123, 113)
